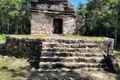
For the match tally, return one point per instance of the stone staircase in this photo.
(70, 55)
(59, 54)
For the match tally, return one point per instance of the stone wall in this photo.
(46, 7)
(42, 23)
(60, 54)
(69, 24)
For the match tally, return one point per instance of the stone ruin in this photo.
(52, 17)
(64, 55)
(56, 17)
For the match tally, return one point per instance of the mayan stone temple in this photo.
(57, 17)
(52, 17)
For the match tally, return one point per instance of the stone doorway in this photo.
(58, 26)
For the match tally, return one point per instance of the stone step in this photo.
(72, 59)
(68, 48)
(70, 65)
(68, 54)
(78, 45)
(70, 42)
(68, 69)
(81, 50)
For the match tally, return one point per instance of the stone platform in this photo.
(58, 53)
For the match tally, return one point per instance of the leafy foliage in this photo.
(101, 18)
(14, 16)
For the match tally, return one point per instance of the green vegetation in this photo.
(100, 18)
(117, 56)
(78, 37)
(2, 37)
(12, 68)
(15, 16)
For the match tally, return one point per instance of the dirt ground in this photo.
(12, 68)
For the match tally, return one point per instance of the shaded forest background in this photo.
(99, 18)
(15, 16)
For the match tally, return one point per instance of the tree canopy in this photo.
(14, 16)
(101, 18)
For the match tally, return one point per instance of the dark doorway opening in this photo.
(58, 26)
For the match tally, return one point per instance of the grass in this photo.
(117, 56)
(2, 37)
(12, 68)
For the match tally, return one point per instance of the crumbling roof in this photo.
(50, 1)
(67, 9)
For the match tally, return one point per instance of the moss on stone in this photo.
(89, 38)
(43, 36)
(65, 37)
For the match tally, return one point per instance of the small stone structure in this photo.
(52, 17)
